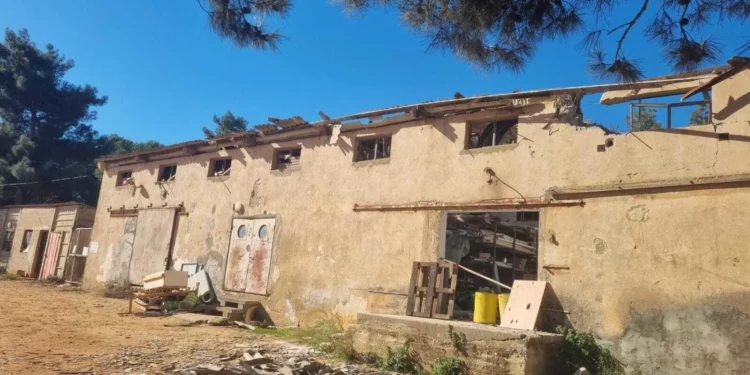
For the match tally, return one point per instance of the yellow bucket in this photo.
(502, 302)
(485, 308)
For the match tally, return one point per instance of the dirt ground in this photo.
(46, 329)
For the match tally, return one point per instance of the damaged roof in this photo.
(279, 126)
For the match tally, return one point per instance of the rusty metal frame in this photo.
(669, 107)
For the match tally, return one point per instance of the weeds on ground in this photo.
(327, 335)
(7, 276)
(401, 360)
(458, 341)
(449, 366)
(580, 349)
(54, 279)
(113, 289)
(371, 359)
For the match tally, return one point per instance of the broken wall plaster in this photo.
(638, 213)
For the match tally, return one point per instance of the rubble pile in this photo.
(278, 358)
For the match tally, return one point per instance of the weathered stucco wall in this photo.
(651, 270)
(36, 219)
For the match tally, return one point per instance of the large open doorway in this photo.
(498, 245)
(41, 245)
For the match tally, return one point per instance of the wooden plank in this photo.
(628, 95)
(431, 291)
(479, 275)
(412, 288)
(152, 241)
(524, 304)
(266, 128)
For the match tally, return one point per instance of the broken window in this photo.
(7, 241)
(167, 173)
(493, 133)
(287, 158)
(373, 149)
(124, 178)
(220, 167)
(26, 241)
(497, 245)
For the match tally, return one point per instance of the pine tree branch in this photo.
(629, 27)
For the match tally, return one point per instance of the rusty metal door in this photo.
(238, 259)
(260, 259)
(51, 252)
(153, 236)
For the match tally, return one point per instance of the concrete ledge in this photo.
(488, 350)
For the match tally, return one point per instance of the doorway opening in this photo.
(41, 245)
(501, 246)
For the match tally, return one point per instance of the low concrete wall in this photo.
(488, 349)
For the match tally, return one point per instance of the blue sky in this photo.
(166, 73)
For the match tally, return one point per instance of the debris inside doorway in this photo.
(501, 246)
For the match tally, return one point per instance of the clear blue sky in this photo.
(166, 73)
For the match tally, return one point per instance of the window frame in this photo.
(495, 123)
(25, 246)
(522, 216)
(120, 181)
(278, 165)
(212, 167)
(360, 141)
(7, 243)
(162, 169)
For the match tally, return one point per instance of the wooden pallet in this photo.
(152, 299)
(432, 290)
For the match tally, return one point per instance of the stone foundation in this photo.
(488, 349)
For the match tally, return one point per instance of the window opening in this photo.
(8, 240)
(124, 178)
(242, 231)
(493, 133)
(502, 246)
(167, 173)
(373, 149)
(26, 241)
(220, 167)
(263, 232)
(287, 158)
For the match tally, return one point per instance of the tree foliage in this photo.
(117, 145)
(45, 127)
(226, 124)
(644, 119)
(241, 21)
(700, 115)
(504, 34)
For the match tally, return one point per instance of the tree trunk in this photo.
(19, 196)
(33, 124)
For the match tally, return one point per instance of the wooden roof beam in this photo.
(668, 89)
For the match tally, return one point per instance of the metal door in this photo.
(238, 259)
(260, 260)
(153, 236)
(49, 263)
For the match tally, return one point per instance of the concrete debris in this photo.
(236, 358)
(243, 325)
(219, 322)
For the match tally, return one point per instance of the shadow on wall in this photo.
(733, 105)
(701, 339)
(553, 315)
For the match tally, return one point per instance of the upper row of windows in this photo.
(486, 134)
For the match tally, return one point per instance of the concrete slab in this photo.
(485, 348)
(193, 317)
